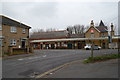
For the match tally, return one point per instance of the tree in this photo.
(37, 30)
(70, 29)
(76, 29)
(51, 29)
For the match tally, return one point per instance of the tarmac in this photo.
(104, 69)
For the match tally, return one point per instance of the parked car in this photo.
(87, 47)
(95, 47)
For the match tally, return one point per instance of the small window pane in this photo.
(13, 29)
(12, 42)
(23, 30)
(0, 26)
(92, 35)
(0, 43)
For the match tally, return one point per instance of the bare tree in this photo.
(86, 28)
(51, 29)
(76, 29)
(70, 29)
(37, 30)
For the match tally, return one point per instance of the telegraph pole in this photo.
(92, 36)
(92, 49)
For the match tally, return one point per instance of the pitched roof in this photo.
(102, 27)
(55, 35)
(101, 23)
(7, 21)
(49, 35)
(77, 35)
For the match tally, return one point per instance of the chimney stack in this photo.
(92, 23)
(112, 27)
(112, 30)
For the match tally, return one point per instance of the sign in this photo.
(110, 39)
(92, 31)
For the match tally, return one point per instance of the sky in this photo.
(58, 14)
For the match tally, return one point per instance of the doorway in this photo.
(103, 45)
(69, 45)
(23, 43)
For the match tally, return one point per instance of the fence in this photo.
(15, 51)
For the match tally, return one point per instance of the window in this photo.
(103, 35)
(0, 43)
(92, 35)
(58, 44)
(12, 42)
(23, 30)
(0, 26)
(13, 29)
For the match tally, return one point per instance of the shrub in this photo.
(101, 58)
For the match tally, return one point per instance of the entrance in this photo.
(103, 45)
(47, 46)
(23, 43)
(79, 45)
(69, 45)
(41, 46)
(52, 46)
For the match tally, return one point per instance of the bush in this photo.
(101, 58)
(7, 53)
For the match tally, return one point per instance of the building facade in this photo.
(98, 35)
(57, 40)
(13, 35)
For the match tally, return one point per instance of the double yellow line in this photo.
(55, 69)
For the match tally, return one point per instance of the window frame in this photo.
(23, 30)
(13, 29)
(103, 35)
(13, 42)
(92, 35)
(0, 43)
(0, 27)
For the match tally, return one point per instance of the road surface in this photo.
(44, 60)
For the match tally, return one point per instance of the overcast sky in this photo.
(60, 14)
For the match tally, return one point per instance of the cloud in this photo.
(44, 9)
(60, 14)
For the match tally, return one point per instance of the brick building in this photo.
(61, 40)
(57, 40)
(99, 36)
(13, 35)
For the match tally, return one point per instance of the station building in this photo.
(57, 40)
(99, 35)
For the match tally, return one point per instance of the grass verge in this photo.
(101, 58)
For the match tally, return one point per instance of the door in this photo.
(47, 46)
(52, 46)
(23, 43)
(103, 45)
(69, 45)
(41, 46)
(79, 45)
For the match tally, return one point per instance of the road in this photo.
(44, 60)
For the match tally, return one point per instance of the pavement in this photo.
(16, 56)
(105, 69)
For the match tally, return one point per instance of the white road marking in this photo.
(20, 59)
(44, 56)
